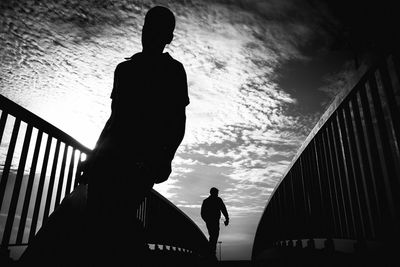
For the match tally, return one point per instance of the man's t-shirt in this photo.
(149, 97)
(211, 209)
(146, 77)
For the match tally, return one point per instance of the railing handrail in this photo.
(158, 195)
(195, 240)
(22, 113)
(358, 78)
(345, 172)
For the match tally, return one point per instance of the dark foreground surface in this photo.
(290, 259)
(235, 264)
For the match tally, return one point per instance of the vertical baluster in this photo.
(145, 213)
(7, 164)
(289, 205)
(286, 206)
(386, 85)
(39, 193)
(296, 208)
(316, 190)
(61, 177)
(78, 174)
(321, 186)
(302, 200)
(306, 181)
(333, 196)
(389, 174)
(140, 209)
(363, 154)
(375, 164)
(70, 172)
(343, 175)
(305, 196)
(358, 174)
(293, 205)
(138, 213)
(393, 123)
(276, 234)
(17, 187)
(300, 207)
(51, 182)
(337, 181)
(142, 219)
(148, 214)
(327, 214)
(312, 191)
(349, 181)
(280, 220)
(31, 180)
(3, 120)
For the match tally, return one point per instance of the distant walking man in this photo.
(211, 213)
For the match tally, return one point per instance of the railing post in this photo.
(299, 243)
(311, 243)
(39, 193)
(7, 164)
(329, 245)
(3, 120)
(51, 182)
(17, 188)
(25, 209)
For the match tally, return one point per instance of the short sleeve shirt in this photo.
(147, 91)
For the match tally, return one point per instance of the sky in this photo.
(260, 75)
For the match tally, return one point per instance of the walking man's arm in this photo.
(225, 213)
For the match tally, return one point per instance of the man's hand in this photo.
(226, 222)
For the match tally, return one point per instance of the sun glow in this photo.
(65, 115)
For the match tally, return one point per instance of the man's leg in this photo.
(213, 230)
(114, 232)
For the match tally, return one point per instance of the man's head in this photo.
(214, 191)
(158, 28)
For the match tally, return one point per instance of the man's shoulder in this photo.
(208, 199)
(139, 58)
(123, 67)
(173, 61)
(128, 61)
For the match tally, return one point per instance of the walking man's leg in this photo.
(213, 231)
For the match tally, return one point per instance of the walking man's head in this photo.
(214, 191)
(158, 29)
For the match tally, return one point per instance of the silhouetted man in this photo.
(211, 213)
(134, 151)
(139, 140)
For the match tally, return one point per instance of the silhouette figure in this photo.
(211, 213)
(96, 224)
(139, 141)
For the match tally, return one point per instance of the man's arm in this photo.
(202, 212)
(113, 96)
(177, 122)
(224, 212)
(174, 126)
(86, 165)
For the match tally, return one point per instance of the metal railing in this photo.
(35, 179)
(344, 183)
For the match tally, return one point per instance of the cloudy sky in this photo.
(260, 75)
